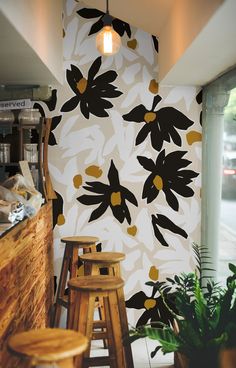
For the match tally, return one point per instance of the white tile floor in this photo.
(141, 350)
(141, 354)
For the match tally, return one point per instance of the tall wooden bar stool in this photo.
(84, 291)
(93, 262)
(73, 245)
(48, 347)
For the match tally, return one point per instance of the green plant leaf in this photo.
(166, 336)
(232, 268)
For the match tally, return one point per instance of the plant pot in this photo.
(228, 358)
(197, 361)
(180, 361)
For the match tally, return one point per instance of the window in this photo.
(219, 172)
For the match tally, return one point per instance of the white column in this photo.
(214, 101)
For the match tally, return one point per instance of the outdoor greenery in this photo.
(205, 313)
(230, 114)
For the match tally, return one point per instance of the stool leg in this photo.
(116, 269)
(110, 339)
(93, 269)
(65, 363)
(83, 322)
(124, 329)
(74, 262)
(92, 248)
(72, 315)
(116, 328)
(62, 285)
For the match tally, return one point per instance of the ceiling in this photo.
(195, 46)
(196, 37)
(149, 15)
(19, 64)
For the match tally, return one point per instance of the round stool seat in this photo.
(49, 344)
(70, 265)
(96, 283)
(80, 240)
(103, 257)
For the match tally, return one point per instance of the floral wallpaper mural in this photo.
(124, 157)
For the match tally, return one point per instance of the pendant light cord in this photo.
(107, 8)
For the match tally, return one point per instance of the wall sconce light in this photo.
(108, 41)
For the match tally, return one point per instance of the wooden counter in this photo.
(26, 278)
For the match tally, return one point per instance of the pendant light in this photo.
(108, 41)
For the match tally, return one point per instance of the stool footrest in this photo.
(99, 335)
(63, 301)
(98, 361)
(99, 324)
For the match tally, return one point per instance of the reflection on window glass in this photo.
(227, 248)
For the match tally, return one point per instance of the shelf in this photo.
(16, 163)
(9, 163)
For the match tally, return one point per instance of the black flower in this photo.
(119, 26)
(161, 124)
(155, 309)
(113, 195)
(165, 223)
(91, 92)
(155, 43)
(55, 122)
(58, 204)
(167, 176)
(51, 103)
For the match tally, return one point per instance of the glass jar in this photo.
(5, 152)
(7, 116)
(29, 116)
(31, 152)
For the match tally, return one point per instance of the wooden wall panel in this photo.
(26, 279)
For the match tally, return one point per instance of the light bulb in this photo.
(108, 41)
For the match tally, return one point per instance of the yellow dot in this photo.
(115, 199)
(153, 273)
(132, 230)
(150, 303)
(132, 44)
(193, 137)
(60, 219)
(77, 180)
(153, 86)
(158, 182)
(80, 271)
(94, 171)
(82, 85)
(149, 117)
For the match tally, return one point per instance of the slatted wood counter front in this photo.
(26, 278)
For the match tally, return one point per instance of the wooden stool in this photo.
(70, 265)
(93, 262)
(84, 291)
(48, 346)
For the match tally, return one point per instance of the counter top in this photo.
(5, 227)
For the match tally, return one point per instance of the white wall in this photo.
(39, 22)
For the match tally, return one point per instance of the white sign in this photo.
(15, 104)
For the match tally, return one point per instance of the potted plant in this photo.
(204, 315)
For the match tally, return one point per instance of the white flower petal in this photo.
(130, 73)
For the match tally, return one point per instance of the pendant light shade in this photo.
(108, 41)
